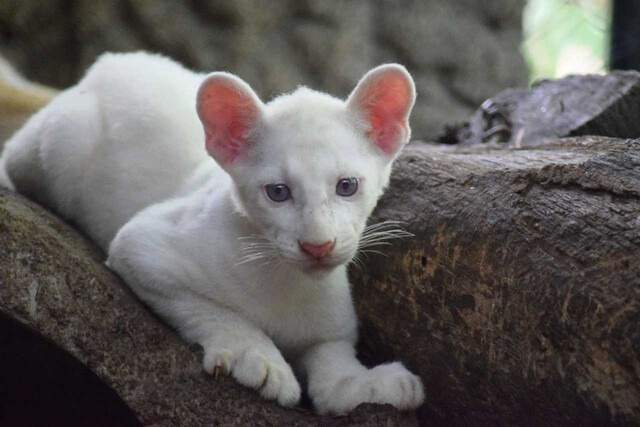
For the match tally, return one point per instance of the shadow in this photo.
(41, 384)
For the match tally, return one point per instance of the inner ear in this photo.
(384, 98)
(229, 111)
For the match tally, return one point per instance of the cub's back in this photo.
(126, 136)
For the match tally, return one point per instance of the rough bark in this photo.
(606, 105)
(518, 299)
(53, 280)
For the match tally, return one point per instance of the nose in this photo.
(318, 250)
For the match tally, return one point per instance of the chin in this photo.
(319, 270)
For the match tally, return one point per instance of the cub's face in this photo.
(308, 168)
(311, 180)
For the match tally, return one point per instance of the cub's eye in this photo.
(277, 192)
(347, 187)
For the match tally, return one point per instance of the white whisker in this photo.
(377, 240)
(370, 251)
(383, 225)
(254, 237)
(379, 234)
(394, 233)
(357, 261)
(251, 258)
(256, 248)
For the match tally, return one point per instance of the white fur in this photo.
(122, 152)
(4, 178)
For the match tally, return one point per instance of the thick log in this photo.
(53, 280)
(518, 299)
(606, 105)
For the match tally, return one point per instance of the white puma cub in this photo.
(246, 255)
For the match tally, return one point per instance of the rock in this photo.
(53, 280)
(460, 53)
(518, 299)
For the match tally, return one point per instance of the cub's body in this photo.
(125, 137)
(246, 255)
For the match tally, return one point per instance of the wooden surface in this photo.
(606, 105)
(518, 299)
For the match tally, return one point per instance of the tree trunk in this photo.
(518, 299)
(606, 105)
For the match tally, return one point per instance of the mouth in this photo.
(320, 266)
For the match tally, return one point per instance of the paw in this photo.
(391, 383)
(271, 376)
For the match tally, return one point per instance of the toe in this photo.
(217, 359)
(250, 369)
(289, 393)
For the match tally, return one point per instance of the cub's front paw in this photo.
(391, 383)
(270, 375)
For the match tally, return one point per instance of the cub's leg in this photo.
(338, 382)
(174, 286)
(233, 345)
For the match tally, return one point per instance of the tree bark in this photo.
(518, 299)
(607, 105)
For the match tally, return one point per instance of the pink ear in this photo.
(383, 99)
(229, 111)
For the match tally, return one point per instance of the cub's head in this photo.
(308, 168)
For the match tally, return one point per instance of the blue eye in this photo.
(347, 187)
(277, 192)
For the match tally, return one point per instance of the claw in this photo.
(217, 370)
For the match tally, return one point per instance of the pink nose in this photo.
(318, 251)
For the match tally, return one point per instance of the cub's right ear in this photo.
(229, 111)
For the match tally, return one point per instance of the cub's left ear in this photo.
(383, 99)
